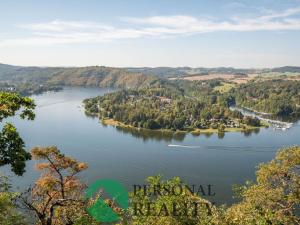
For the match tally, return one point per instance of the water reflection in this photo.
(221, 135)
(156, 135)
(248, 133)
(168, 136)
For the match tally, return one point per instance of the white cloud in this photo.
(286, 13)
(59, 26)
(60, 32)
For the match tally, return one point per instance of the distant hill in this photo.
(167, 72)
(162, 71)
(75, 76)
(10, 73)
(114, 77)
(100, 76)
(284, 69)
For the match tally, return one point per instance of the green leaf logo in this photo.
(100, 210)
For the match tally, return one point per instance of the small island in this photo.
(26, 89)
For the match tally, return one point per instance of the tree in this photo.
(152, 124)
(178, 123)
(284, 109)
(252, 121)
(57, 196)
(221, 128)
(275, 198)
(12, 148)
(8, 213)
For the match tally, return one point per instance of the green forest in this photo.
(186, 105)
(278, 97)
(93, 76)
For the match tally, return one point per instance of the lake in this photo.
(130, 156)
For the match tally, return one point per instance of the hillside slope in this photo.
(75, 76)
(114, 77)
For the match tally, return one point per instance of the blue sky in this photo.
(257, 33)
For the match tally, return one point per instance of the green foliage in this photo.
(27, 80)
(174, 106)
(224, 87)
(278, 97)
(8, 213)
(12, 148)
(273, 199)
(252, 121)
(10, 103)
(28, 88)
(100, 76)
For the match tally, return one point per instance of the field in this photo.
(225, 87)
(228, 77)
(241, 79)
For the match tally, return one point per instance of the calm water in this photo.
(130, 156)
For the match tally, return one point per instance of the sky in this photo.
(152, 33)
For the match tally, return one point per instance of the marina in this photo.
(275, 124)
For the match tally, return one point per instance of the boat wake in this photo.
(229, 148)
(183, 146)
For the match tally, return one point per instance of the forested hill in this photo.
(186, 71)
(167, 72)
(113, 77)
(102, 77)
(21, 74)
(75, 76)
(290, 69)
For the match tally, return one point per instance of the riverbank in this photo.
(234, 129)
(244, 128)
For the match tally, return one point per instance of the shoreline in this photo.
(197, 131)
(255, 111)
(279, 124)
